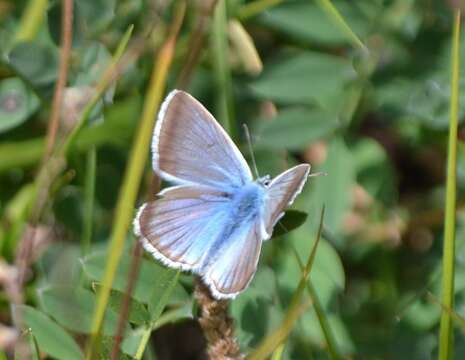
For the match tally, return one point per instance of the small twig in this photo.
(66, 39)
(217, 325)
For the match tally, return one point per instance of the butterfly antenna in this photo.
(249, 142)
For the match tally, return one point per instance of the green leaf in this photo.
(162, 289)
(68, 208)
(97, 14)
(291, 220)
(138, 313)
(131, 342)
(54, 19)
(36, 62)
(254, 311)
(151, 277)
(94, 61)
(334, 189)
(304, 77)
(374, 171)
(305, 21)
(51, 338)
(421, 315)
(294, 128)
(173, 315)
(312, 330)
(17, 103)
(327, 271)
(72, 307)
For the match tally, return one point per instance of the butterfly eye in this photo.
(266, 182)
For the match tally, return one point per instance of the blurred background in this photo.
(358, 89)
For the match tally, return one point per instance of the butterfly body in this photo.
(213, 221)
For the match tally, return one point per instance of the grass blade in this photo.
(339, 21)
(322, 319)
(31, 20)
(221, 67)
(133, 174)
(448, 265)
(89, 195)
(274, 340)
(156, 312)
(255, 7)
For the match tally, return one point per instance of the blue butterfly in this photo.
(214, 220)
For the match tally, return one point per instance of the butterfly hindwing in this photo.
(231, 271)
(189, 146)
(179, 228)
(281, 193)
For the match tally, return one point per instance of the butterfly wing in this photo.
(179, 228)
(189, 146)
(231, 272)
(281, 193)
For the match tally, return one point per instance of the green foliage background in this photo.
(374, 119)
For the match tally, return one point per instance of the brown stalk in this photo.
(196, 40)
(217, 325)
(66, 39)
(49, 167)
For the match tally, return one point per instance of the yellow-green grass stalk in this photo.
(275, 339)
(448, 256)
(219, 43)
(339, 21)
(254, 8)
(31, 20)
(133, 175)
(278, 353)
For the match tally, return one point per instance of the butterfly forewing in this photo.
(281, 193)
(190, 147)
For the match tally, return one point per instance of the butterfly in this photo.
(215, 218)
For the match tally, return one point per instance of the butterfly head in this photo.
(264, 181)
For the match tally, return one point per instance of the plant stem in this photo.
(448, 257)
(66, 40)
(89, 195)
(133, 175)
(222, 71)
